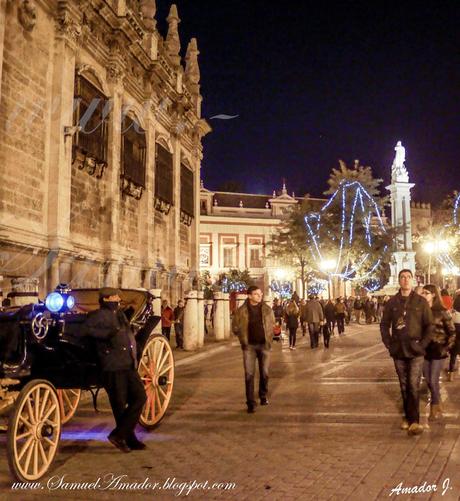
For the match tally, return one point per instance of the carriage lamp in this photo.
(60, 300)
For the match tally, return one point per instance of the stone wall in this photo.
(24, 108)
(59, 221)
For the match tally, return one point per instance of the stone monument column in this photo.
(403, 256)
(200, 316)
(191, 322)
(219, 326)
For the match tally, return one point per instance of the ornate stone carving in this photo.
(172, 43)
(27, 14)
(88, 164)
(131, 189)
(148, 9)
(67, 26)
(192, 70)
(398, 169)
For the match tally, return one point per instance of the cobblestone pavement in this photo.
(331, 432)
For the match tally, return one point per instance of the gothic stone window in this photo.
(133, 156)
(91, 109)
(163, 179)
(187, 209)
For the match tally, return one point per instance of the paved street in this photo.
(331, 432)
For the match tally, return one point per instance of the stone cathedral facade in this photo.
(100, 146)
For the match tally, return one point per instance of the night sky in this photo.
(313, 82)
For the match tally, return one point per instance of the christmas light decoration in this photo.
(362, 205)
(282, 288)
(456, 207)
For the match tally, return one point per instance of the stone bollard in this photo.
(191, 322)
(226, 303)
(219, 326)
(156, 305)
(200, 316)
(209, 303)
(240, 299)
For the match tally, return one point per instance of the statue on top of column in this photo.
(398, 170)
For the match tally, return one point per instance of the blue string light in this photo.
(369, 210)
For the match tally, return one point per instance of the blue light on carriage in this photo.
(54, 302)
(70, 302)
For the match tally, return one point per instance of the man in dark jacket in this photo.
(409, 317)
(253, 323)
(116, 349)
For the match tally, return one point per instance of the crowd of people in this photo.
(323, 317)
(420, 328)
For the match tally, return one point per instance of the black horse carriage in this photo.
(46, 361)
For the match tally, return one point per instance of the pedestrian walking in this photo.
(179, 312)
(349, 302)
(407, 329)
(456, 348)
(358, 309)
(116, 351)
(314, 317)
(167, 319)
(368, 310)
(253, 323)
(329, 313)
(340, 312)
(291, 317)
(442, 341)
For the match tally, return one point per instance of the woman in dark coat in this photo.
(439, 347)
(291, 318)
(329, 313)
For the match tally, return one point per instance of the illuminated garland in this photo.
(317, 287)
(232, 285)
(456, 207)
(363, 202)
(282, 288)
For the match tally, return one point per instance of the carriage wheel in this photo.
(34, 430)
(68, 403)
(156, 369)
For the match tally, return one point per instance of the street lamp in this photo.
(434, 247)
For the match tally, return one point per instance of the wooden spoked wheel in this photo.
(68, 402)
(156, 369)
(34, 430)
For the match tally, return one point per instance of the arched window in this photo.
(91, 110)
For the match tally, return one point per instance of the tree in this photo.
(357, 173)
(235, 280)
(288, 246)
(350, 230)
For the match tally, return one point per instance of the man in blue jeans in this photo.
(410, 319)
(253, 323)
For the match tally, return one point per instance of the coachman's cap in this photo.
(108, 291)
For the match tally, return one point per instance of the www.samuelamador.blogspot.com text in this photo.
(112, 482)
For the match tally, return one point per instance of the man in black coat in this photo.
(410, 319)
(116, 350)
